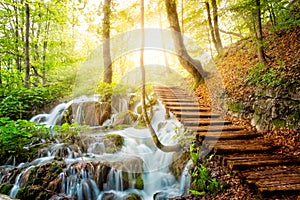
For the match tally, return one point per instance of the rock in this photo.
(128, 118)
(132, 196)
(109, 196)
(113, 142)
(139, 183)
(5, 197)
(160, 196)
(90, 113)
(96, 148)
(273, 107)
(41, 180)
(180, 159)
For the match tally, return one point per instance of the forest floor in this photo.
(235, 66)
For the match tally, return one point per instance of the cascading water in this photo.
(138, 168)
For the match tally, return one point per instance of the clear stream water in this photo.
(138, 146)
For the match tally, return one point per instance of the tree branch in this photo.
(231, 33)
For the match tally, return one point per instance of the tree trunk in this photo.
(18, 59)
(155, 139)
(193, 66)
(45, 46)
(211, 29)
(259, 35)
(163, 43)
(182, 23)
(216, 26)
(106, 46)
(27, 55)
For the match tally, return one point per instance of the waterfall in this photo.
(139, 167)
(185, 177)
(115, 181)
(20, 181)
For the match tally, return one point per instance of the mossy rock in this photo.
(6, 188)
(23, 156)
(43, 181)
(132, 196)
(139, 183)
(179, 161)
(235, 106)
(113, 143)
(33, 192)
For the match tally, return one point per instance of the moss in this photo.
(234, 106)
(33, 192)
(113, 142)
(278, 123)
(179, 161)
(6, 188)
(132, 196)
(139, 183)
(37, 185)
(121, 126)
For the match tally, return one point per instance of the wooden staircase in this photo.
(239, 149)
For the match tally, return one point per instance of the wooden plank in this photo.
(236, 146)
(279, 184)
(215, 128)
(163, 90)
(172, 96)
(257, 162)
(195, 114)
(179, 100)
(190, 109)
(203, 122)
(288, 189)
(184, 104)
(266, 172)
(227, 135)
(175, 94)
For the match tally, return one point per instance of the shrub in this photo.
(16, 137)
(23, 103)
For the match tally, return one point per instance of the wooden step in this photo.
(251, 162)
(223, 147)
(183, 104)
(172, 94)
(227, 135)
(176, 96)
(252, 175)
(281, 184)
(179, 100)
(266, 179)
(203, 122)
(194, 115)
(215, 128)
(169, 90)
(189, 109)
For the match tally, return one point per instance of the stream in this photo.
(138, 168)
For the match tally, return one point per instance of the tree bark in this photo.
(193, 66)
(259, 35)
(232, 33)
(27, 55)
(155, 139)
(106, 46)
(107, 75)
(163, 43)
(216, 26)
(18, 59)
(211, 29)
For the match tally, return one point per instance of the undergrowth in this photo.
(202, 181)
